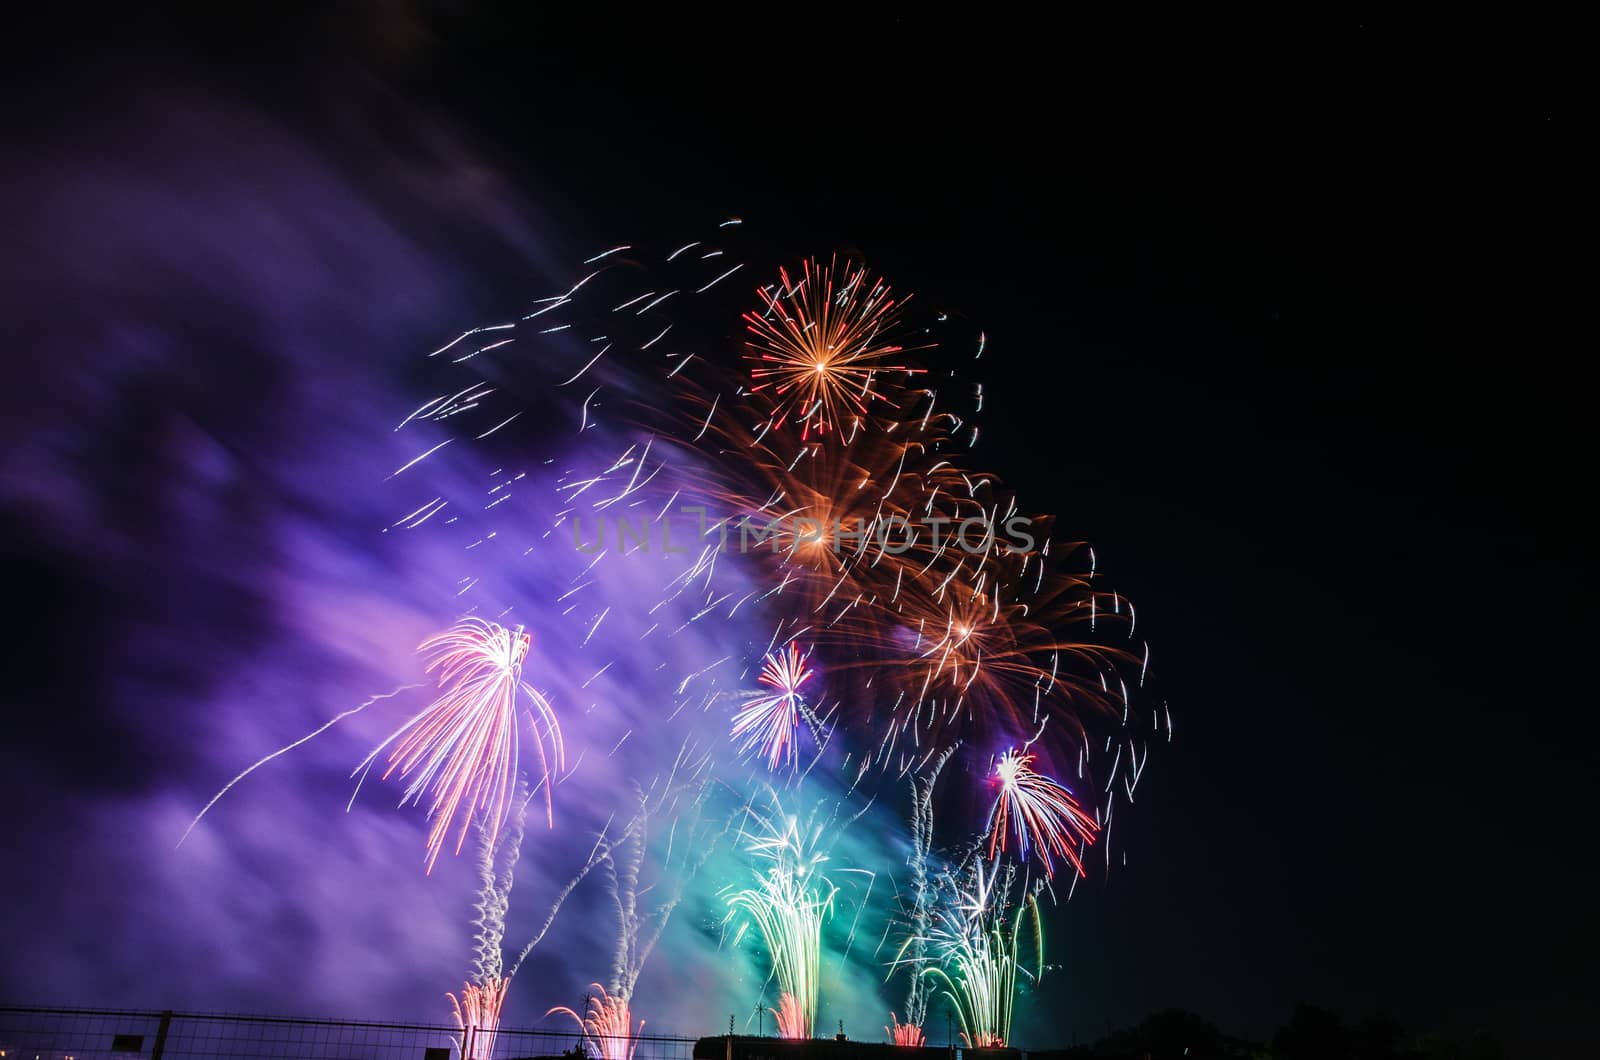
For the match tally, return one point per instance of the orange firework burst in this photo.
(914, 578)
(820, 344)
(972, 649)
(917, 580)
(846, 521)
(995, 641)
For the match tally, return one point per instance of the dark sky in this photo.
(1293, 321)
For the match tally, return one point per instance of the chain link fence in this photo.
(37, 1033)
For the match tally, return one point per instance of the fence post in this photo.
(161, 1035)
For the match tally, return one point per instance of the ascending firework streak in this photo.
(788, 904)
(463, 747)
(313, 734)
(478, 1010)
(496, 868)
(607, 1022)
(692, 839)
(1042, 813)
(921, 906)
(976, 956)
(771, 720)
(482, 1002)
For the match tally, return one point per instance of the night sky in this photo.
(1285, 321)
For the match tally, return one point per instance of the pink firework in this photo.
(462, 750)
(908, 1034)
(1041, 812)
(771, 721)
(477, 1013)
(608, 1029)
(792, 1023)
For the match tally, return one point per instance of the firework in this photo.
(692, 838)
(881, 554)
(462, 749)
(313, 734)
(794, 1021)
(995, 637)
(819, 345)
(771, 721)
(908, 1034)
(1042, 813)
(844, 519)
(496, 867)
(477, 1013)
(788, 904)
(913, 577)
(976, 956)
(608, 1030)
(607, 1020)
(920, 909)
(482, 1003)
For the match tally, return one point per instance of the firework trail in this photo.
(695, 833)
(1042, 813)
(602, 846)
(463, 747)
(336, 719)
(481, 1006)
(921, 906)
(771, 721)
(607, 1021)
(496, 869)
